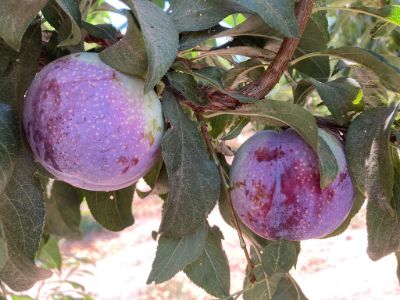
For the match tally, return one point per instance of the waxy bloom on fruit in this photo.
(276, 190)
(90, 125)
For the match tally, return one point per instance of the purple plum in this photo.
(90, 125)
(276, 192)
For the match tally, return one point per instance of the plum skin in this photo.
(90, 125)
(275, 187)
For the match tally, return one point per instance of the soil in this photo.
(328, 269)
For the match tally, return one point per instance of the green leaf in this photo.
(210, 76)
(384, 228)
(373, 90)
(211, 270)
(315, 38)
(279, 257)
(288, 289)
(156, 179)
(187, 86)
(174, 254)
(236, 129)
(18, 69)
(50, 254)
(191, 39)
(65, 17)
(278, 113)
(368, 154)
(3, 248)
(303, 89)
(128, 55)
(14, 21)
(193, 15)
(194, 180)
(9, 144)
(327, 161)
(113, 210)
(388, 13)
(388, 74)
(262, 288)
(342, 96)
(102, 31)
(63, 214)
(243, 72)
(22, 215)
(277, 13)
(160, 39)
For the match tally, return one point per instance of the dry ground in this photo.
(334, 269)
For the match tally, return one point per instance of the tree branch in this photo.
(267, 81)
(218, 100)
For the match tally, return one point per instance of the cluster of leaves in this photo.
(353, 89)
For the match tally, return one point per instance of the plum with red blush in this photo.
(275, 187)
(90, 125)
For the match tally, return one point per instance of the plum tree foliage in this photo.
(183, 78)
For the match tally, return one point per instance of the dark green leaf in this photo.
(101, 31)
(194, 180)
(210, 76)
(342, 96)
(15, 17)
(3, 248)
(277, 13)
(254, 25)
(193, 15)
(373, 90)
(236, 129)
(315, 38)
(243, 72)
(187, 86)
(191, 39)
(327, 162)
(113, 210)
(384, 228)
(174, 254)
(288, 289)
(279, 113)
(128, 55)
(65, 17)
(279, 257)
(9, 144)
(50, 254)
(368, 154)
(22, 215)
(388, 13)
(63, 214)
(388, 74)
(18, 69)
(219, 124)
(160, 39)
(157, 180)
(301, 92)
(211, 270)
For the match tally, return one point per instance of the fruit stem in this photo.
(226, 188)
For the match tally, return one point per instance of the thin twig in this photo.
(225, 186)
(267, 81)
(3, 290)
